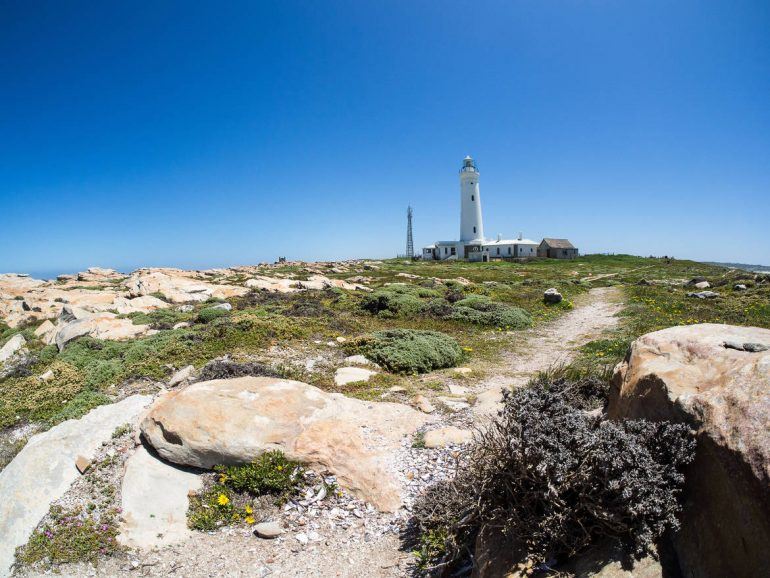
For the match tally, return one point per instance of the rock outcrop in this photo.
(232, 421)
(44, 470)
(687, 375)
(177, 286)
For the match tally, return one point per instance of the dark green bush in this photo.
(481, 310)
(223, 369)
(556, 480)
(209, 314)
(410, 351)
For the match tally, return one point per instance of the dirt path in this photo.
(552, 344)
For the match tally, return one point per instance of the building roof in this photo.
(558, 243)
(510, 242)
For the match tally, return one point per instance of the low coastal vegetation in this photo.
(229, 493)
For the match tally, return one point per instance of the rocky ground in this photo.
(344, 536)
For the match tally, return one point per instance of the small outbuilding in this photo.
(557, 249)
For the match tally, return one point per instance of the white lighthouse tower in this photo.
(471, 225)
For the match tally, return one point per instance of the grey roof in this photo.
(558, 243)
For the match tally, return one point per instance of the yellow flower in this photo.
(222, 478)
(223, 500)
(249, 519)
(279, 468)
(249, 510)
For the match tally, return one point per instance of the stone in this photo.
(462, 370)
(345, 375)
(83, 464)
(696, 280)
(46, 332)
(359, 360)
(100, 326)
(182, 375)
(268, 530)
(233, 421)
(223, 306)
(703, 295)
(181, 325)
(457, 389)
(47, 376)
(178, 286)
(749, 347)
(185, 308)
(687, 375)
(552, 296)
(422, 403)
(454, 404)
(447, 436)
(740, 287)
(143, 304)
(12, 347)
(42, 471)
(154, 500)
(703, 285)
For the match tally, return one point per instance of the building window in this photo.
(453, 251)
(498, 250)
(509, 250)
(474, 229)
(473, 197)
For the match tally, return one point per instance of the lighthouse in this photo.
(471, 225)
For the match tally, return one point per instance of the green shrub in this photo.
(481, 310)
(386, 303)
(229, 501)
(79, 405)
(410, 351)
(271, 473)
(160, 318)
(102, 372)
(209, 314)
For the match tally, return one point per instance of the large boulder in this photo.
(12, 347)
(688, 375)
(232, 421)
(178, 286)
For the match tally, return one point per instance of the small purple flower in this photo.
(105, 527)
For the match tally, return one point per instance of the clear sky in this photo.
(201, 134)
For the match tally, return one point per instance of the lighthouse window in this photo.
(473, 198)
(474, 229)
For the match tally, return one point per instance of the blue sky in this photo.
(204, 134)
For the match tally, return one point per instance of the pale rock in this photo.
(82, 464)
(181, 325)
(422, 403)
(268, 530)
(703, 295)
(457, 389)
(46, 332)
(454, 404)
(359, 360)
(223, 306)
(687, 375)
(13, 346)
(100, 326)
(740, 287)
(552, 296)
(445, 436)
(182, 375)
(345, 375)
(462, 370)
(43, 470)
(233, 421)
(47, 376)
(702, 285)
(143, 304)
(154, 499)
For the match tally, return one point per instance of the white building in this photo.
(472, 244)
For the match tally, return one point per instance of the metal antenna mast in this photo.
(409, 241)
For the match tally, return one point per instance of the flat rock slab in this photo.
(233, 421)
(345, 375)
(154, 501)
(44, 470)
(446, 436)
